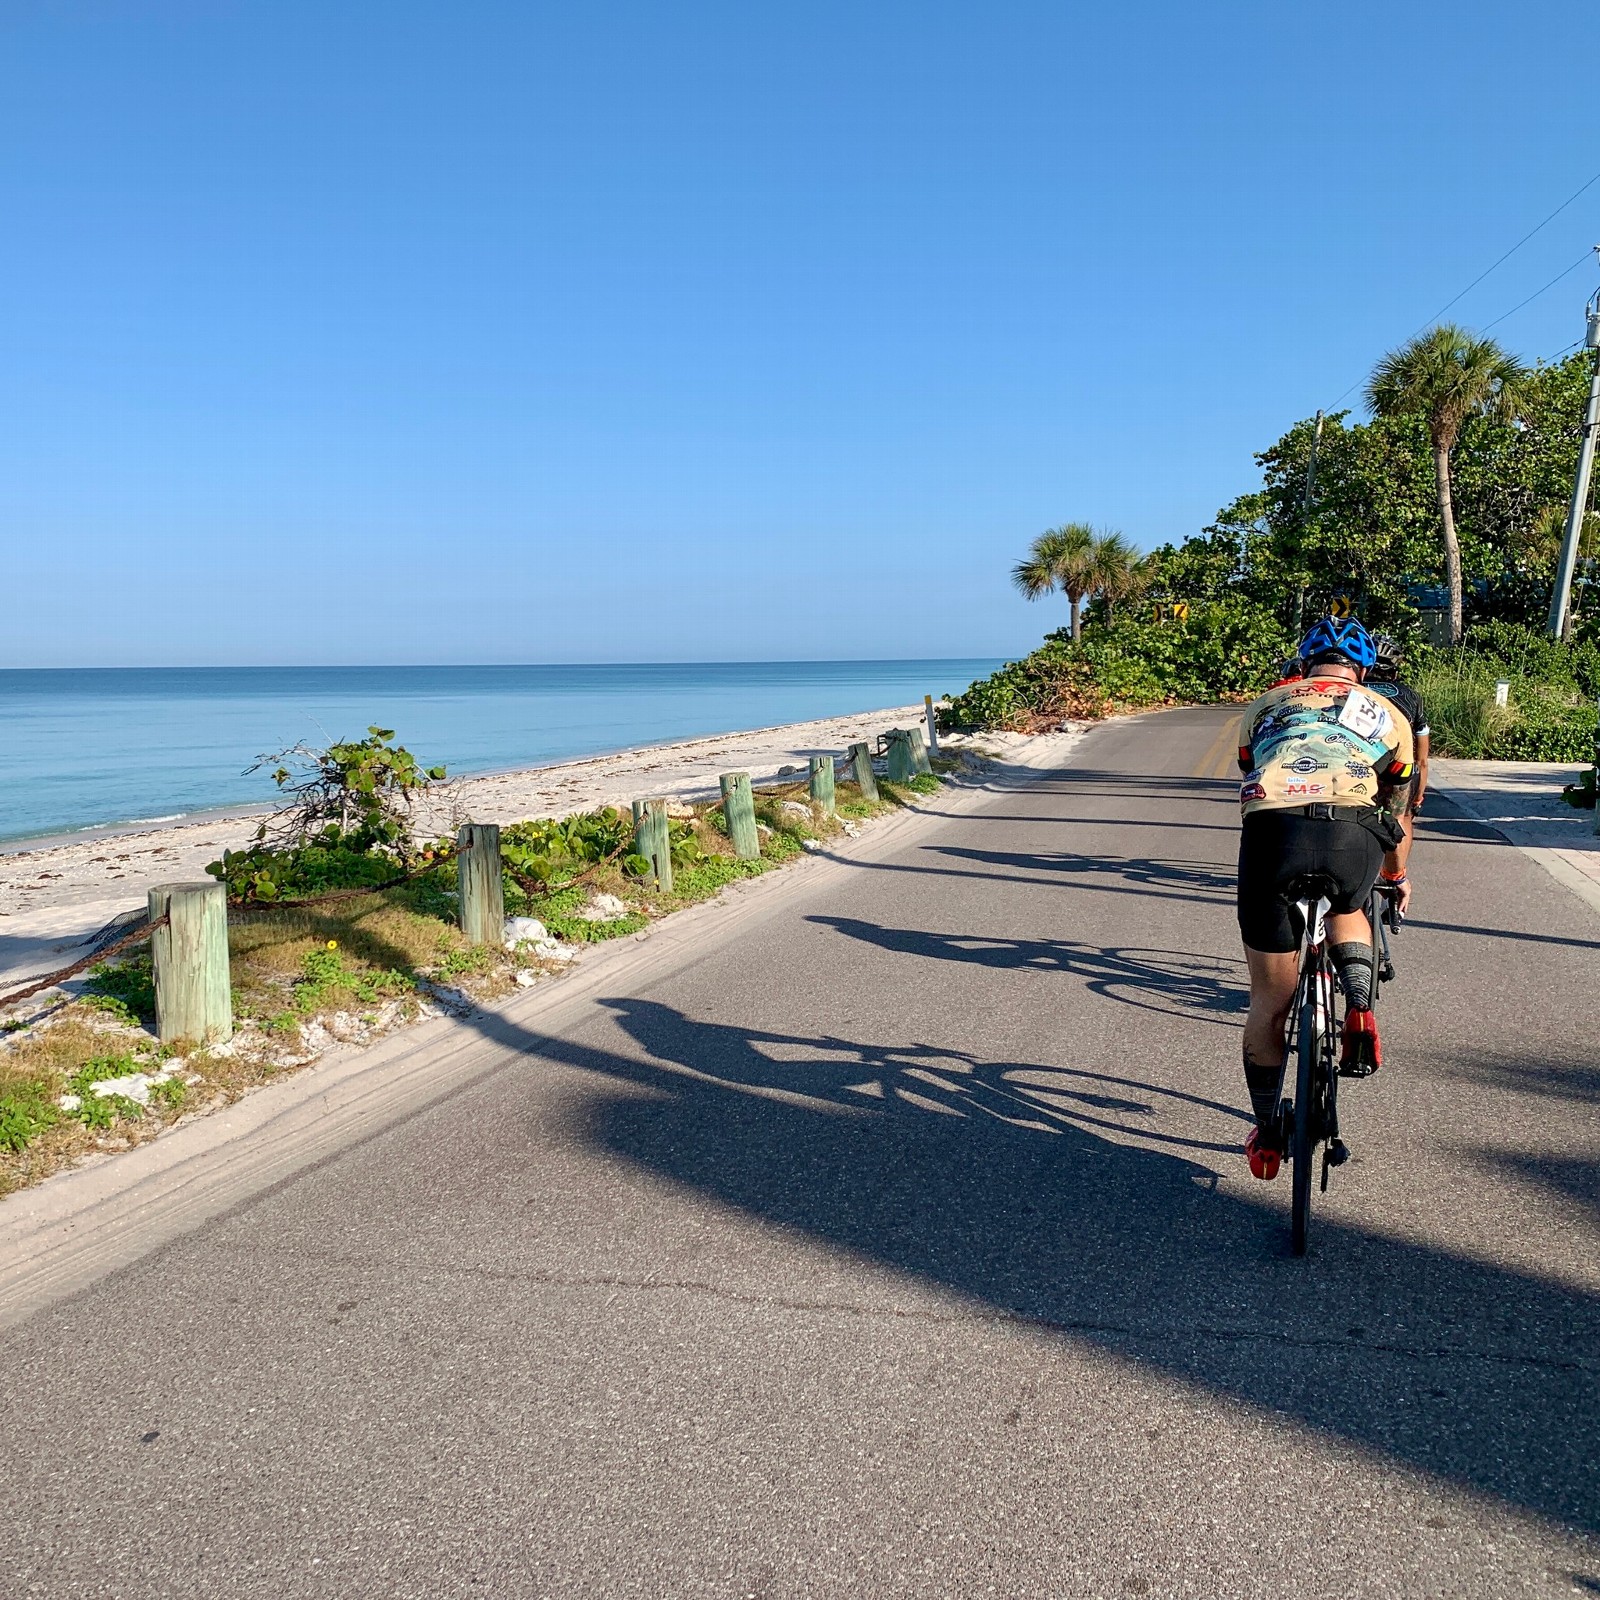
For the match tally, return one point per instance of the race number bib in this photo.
(1365, 716)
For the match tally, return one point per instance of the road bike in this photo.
(1311, 1118)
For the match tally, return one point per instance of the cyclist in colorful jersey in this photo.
(1321, 756)
(1384, 679)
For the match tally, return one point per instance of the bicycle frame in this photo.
(1312, 1117)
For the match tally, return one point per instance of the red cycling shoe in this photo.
(1265, 1156)
(1362, 1053)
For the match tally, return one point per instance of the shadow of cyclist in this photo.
(1053, 1197)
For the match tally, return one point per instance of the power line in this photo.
(1576, 193)
(1508, 255)
(1564, 272)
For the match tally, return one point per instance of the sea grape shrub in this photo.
(1223, 650)
(543, 854)
(263, 875)
(348, 822)
(355, 795)
(550, 850)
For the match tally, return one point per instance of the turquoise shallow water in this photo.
(90, 747)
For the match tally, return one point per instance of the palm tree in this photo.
(1079, 561)
(1448, 375)
(1060, 558)
(1117, 569)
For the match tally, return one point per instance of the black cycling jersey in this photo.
(1408, 700)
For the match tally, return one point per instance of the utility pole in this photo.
(1311, 471)
(1305, 512)
(1560, 599)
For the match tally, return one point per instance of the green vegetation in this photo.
(347, 822)
(1550, 714)
(1451, 499)
(364, 958)
(1223, 649)
(125, 990)
(25, 1112)
(1080, 562)
(1444, 377)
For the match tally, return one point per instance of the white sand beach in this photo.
(54, 896)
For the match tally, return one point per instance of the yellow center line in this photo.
(1221, 759)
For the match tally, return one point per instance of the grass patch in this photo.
(125, 989)
(1543, 720)
(82, 1047)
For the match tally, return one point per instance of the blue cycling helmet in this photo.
(1339, 636)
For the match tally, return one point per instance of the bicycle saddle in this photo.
(1310, 886)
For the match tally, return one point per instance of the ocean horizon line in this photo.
(506, 666)
(110, 747)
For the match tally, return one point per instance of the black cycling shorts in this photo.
(1278, 846)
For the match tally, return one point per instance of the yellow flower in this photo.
(333, 944)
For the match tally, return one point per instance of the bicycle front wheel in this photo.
(1302, 1150)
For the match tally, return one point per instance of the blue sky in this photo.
(515, 332)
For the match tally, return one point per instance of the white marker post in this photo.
(1502, 692)
(933, 724)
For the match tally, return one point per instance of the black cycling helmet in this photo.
(1338, 639)
(1390, 655)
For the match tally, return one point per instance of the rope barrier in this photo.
(49, 982)
(533, 885)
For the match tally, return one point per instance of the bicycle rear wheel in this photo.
(1302, 1151)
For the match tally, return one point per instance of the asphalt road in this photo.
(900, 1242)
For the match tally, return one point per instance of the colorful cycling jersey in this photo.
(1321, 740)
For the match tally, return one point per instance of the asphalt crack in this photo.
(1085, 1326)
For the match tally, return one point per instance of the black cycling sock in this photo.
(1354, 964)
(1266, 1090)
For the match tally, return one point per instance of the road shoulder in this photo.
(1521, 801)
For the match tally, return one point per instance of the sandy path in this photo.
(53, 896)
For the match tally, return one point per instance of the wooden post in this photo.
(931, 718)
(190, 959)
(901, 767)
(861, 770)
(483, 893)
(739, 807)
(919, 753)
(822, 783)
(652, 839)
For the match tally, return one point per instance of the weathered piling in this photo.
(902, 767)
(822, 783)
(189, 957)
(919, 753)
(483, 895)
(739, 808)
(861, 770)
(652, 839)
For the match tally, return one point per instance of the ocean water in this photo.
(89, 747)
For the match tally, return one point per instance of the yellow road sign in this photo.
(1181, 611)
(1341, 606)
